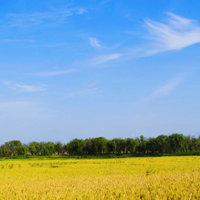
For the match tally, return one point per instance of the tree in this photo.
(188, 145)
(142, 144)
(22, 150)
(194, 144)
(1, 152)
(33, 148)
(111, 146)
(162, 143)
(58, 147)
(44, 151)
(50, 146)
(98, 145)
(75, 146)
(43, 148)
(176, 142)
(12, 145)
(87, 146)
(152, 145)
(120, 145)
(131, 144)
(47, 148)
(6, 151)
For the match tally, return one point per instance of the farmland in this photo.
(127, 178)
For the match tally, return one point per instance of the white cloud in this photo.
(95, 43)
(166, 89)
(105, 58)
(24, 88)
(81, 92)
(55, 73)
(175, 34)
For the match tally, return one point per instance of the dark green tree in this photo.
(1, 152)
(152, 145)
(187, 143)
(58, 147)
(13, 145)
(111, 146)
(22, 150)
(98, 145)
(75, 146)
(120, 145)
(142, 144)
(87, 146)
(194, 144)
(43, 148)
(176, 142)
(6, 151)
(34, 148)
(131, 144)
(163, 143)
(50, 147)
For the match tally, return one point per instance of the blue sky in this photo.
(111, 68)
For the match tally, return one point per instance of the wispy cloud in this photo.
(166, 89)
(24, 20)
(81, 92)
(95, 43)
(163, 90)
(23, 87)
(15, 40)
(80, 10)
(105, 58)
(55, 73)
(29, 88)
(175, 34)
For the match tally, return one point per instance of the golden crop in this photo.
(128, 178)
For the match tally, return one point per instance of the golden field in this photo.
(127, 178)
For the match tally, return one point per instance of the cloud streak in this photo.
(166, 89)
(163, 91)
(55, 73)
(177, 33)
(24, 20)
(23, 87)
(105, 58)
(15, 40)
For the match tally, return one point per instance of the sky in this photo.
(110, 68)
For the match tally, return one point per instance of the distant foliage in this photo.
(173, 143)
(22, 150)
(1, 152)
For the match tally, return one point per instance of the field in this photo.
(127, 178)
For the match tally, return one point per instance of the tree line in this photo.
(98, 146)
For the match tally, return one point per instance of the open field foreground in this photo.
(128, 178)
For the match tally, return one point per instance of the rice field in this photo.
(127, 178)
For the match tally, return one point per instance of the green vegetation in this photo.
(175, 144)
